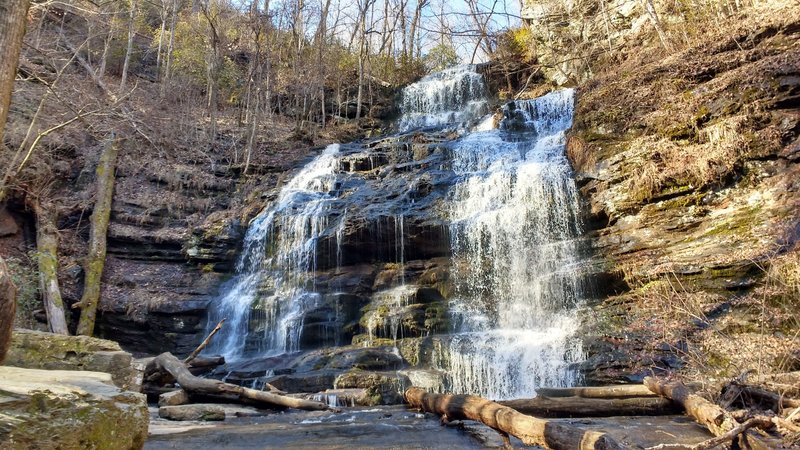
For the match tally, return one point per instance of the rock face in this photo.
(38, 350)
(693, 192)
(570, 36)
(55, 409)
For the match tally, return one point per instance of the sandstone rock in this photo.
(65, 410)
(431, 380)
(383, 388)
(174, 398)
(40, 350)
(197, 411)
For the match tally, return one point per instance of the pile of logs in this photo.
(167, 370)
(527, 419)
(765, 420)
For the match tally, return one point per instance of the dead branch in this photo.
(755, 422)
(167, 363)
(203, 344)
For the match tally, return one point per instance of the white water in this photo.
(278, 256)
(452, 96)
(515, 228)
(515, 223)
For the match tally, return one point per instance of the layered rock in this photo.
(55, 409)
(38, 350)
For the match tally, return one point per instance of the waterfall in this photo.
(515, 243)
(452, 96)
(515, 227)
(274, 273)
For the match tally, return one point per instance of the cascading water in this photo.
(452, 96)
(514, 225)
(515, 228)
(277, 260)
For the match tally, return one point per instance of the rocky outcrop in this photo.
(48, 351)
(55, 409)
(690, 170)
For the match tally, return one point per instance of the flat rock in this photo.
(65, 410)
(198, 411)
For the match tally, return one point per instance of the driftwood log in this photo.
(167, 363)
(507, 421)
(716, 419)
(593, 407)
(619, 391)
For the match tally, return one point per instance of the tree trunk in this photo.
(167, 363)
(96, 257)
(130, 45)
(618, 391)
(170, 47)
(650, 8)
(703, 411)
(12, 29)
(530, 430)
(8, 306)
(101, 72)
(47, 249)
(161, 38)
(592, 407)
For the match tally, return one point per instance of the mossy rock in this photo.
(39, 350)
(66, 410)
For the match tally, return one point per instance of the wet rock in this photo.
(82, 409)
(343, 397)
(431, 380)
(383, 388)
(40, 350)
(197, 411)
(304, 382)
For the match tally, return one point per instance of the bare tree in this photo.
(129, 50)
(12, 29)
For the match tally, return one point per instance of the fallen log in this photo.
(779, 401)
(169, 364)
(619, 391)
(206, 361)
(507, 421)
(718, 421)
(592, 407)
(703, 411)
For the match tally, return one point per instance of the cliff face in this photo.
(689, 164)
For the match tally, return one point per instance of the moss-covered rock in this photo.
(66, 410)
(39, 350)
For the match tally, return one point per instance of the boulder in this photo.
(174, 398)
(192, 412)
(39, 350)
(383, 388)
(65, 410)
